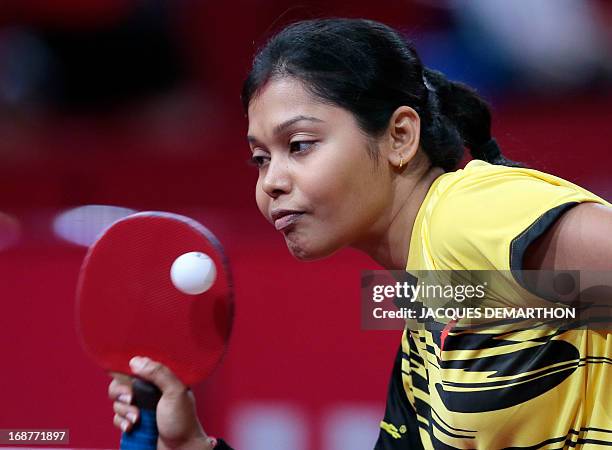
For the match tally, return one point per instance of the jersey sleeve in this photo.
(488, 218)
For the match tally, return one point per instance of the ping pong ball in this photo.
(193, 273)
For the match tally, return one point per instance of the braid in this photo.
(460, 108)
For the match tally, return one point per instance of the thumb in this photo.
(156, 373)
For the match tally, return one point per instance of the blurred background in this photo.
(114, 106)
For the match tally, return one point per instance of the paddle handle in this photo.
(143, 435)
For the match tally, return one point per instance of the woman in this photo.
(356, 144)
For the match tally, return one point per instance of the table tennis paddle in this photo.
(127, 305)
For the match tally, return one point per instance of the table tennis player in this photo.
(357, 145)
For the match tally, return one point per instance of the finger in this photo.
(119, 391)
(157, 374)
(126, 411)
(121, 377)
(122, 423)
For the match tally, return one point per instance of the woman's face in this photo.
(317, 184)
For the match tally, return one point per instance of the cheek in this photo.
(343, 203)
(337, 188)
(355, 198)
(326, 182)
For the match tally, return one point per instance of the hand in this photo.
(177, 420)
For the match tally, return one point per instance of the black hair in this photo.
(369, 69)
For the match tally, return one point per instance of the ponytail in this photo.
(466, 117)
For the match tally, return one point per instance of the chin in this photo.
(308, 252)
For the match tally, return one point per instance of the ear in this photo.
(403, 135)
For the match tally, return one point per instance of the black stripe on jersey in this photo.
(476, 341)
(569, 365)
(519, 361)
(424, 410)
(452, 428)
(591, 441)
(437, 444)
(600, 430)
(510, 364)
(448, 433)
(568, 441)
(515, 381)
(606, 360)
(414, 356)
(469, 338)
(418, 381)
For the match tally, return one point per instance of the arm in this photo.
(580, 240)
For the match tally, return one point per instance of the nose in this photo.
(277, 180)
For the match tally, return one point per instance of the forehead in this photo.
(281, 99)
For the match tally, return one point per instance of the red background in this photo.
(297, 340)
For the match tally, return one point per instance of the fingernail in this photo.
(131, 417)
(124, 425)
(125, 398)
(137, 363)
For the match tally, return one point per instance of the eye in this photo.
(258, 160)
(301, 146)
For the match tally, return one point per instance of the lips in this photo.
(286, 221)
(284, 218)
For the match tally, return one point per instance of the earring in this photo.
(401, 162)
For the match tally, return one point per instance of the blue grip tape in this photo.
(144, 434)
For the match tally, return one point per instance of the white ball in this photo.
(193, 273)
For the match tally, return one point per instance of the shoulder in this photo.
(580, 240)
(486, 215)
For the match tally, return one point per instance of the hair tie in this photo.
(427, 84)
(489, 151)
(432, 97)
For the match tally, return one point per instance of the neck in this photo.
(390, 244)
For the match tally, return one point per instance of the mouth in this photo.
(283, 219)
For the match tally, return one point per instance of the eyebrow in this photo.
(286, 124)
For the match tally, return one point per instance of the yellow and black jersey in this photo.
(490, 389)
